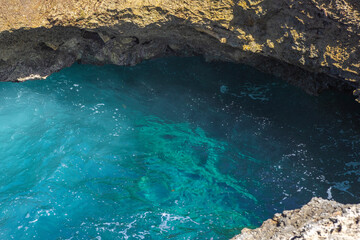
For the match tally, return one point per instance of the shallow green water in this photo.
(170, 149)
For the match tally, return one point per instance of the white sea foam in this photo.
(329, 193)
(167, 218)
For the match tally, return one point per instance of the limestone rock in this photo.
(312, 43)
(318, 220)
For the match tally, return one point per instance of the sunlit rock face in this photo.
(311, 43)
(319, 219)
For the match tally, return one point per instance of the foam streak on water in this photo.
(169, 149)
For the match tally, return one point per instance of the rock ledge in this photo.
(319, 219)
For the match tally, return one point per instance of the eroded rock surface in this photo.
(318, 220)
(312, 43)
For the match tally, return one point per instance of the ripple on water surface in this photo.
(173, 148)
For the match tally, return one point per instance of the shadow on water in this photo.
(171, 148)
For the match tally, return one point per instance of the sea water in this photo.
(174, 148)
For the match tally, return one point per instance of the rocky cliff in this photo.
(312, 43)
(319, 219)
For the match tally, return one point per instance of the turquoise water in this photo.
(170, 149)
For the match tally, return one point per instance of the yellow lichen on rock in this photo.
(338, 56)
(270, 43)
(252, 47)
(252, 5)
(337, 53)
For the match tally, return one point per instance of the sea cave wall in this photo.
(313, 44)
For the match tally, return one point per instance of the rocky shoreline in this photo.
(312, 44)
(319, 219)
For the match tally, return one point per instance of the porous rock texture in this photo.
(318, 220)
(313, 44)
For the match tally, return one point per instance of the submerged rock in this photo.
(313, 44)
(319, 219)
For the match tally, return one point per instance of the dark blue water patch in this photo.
(174, 148)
